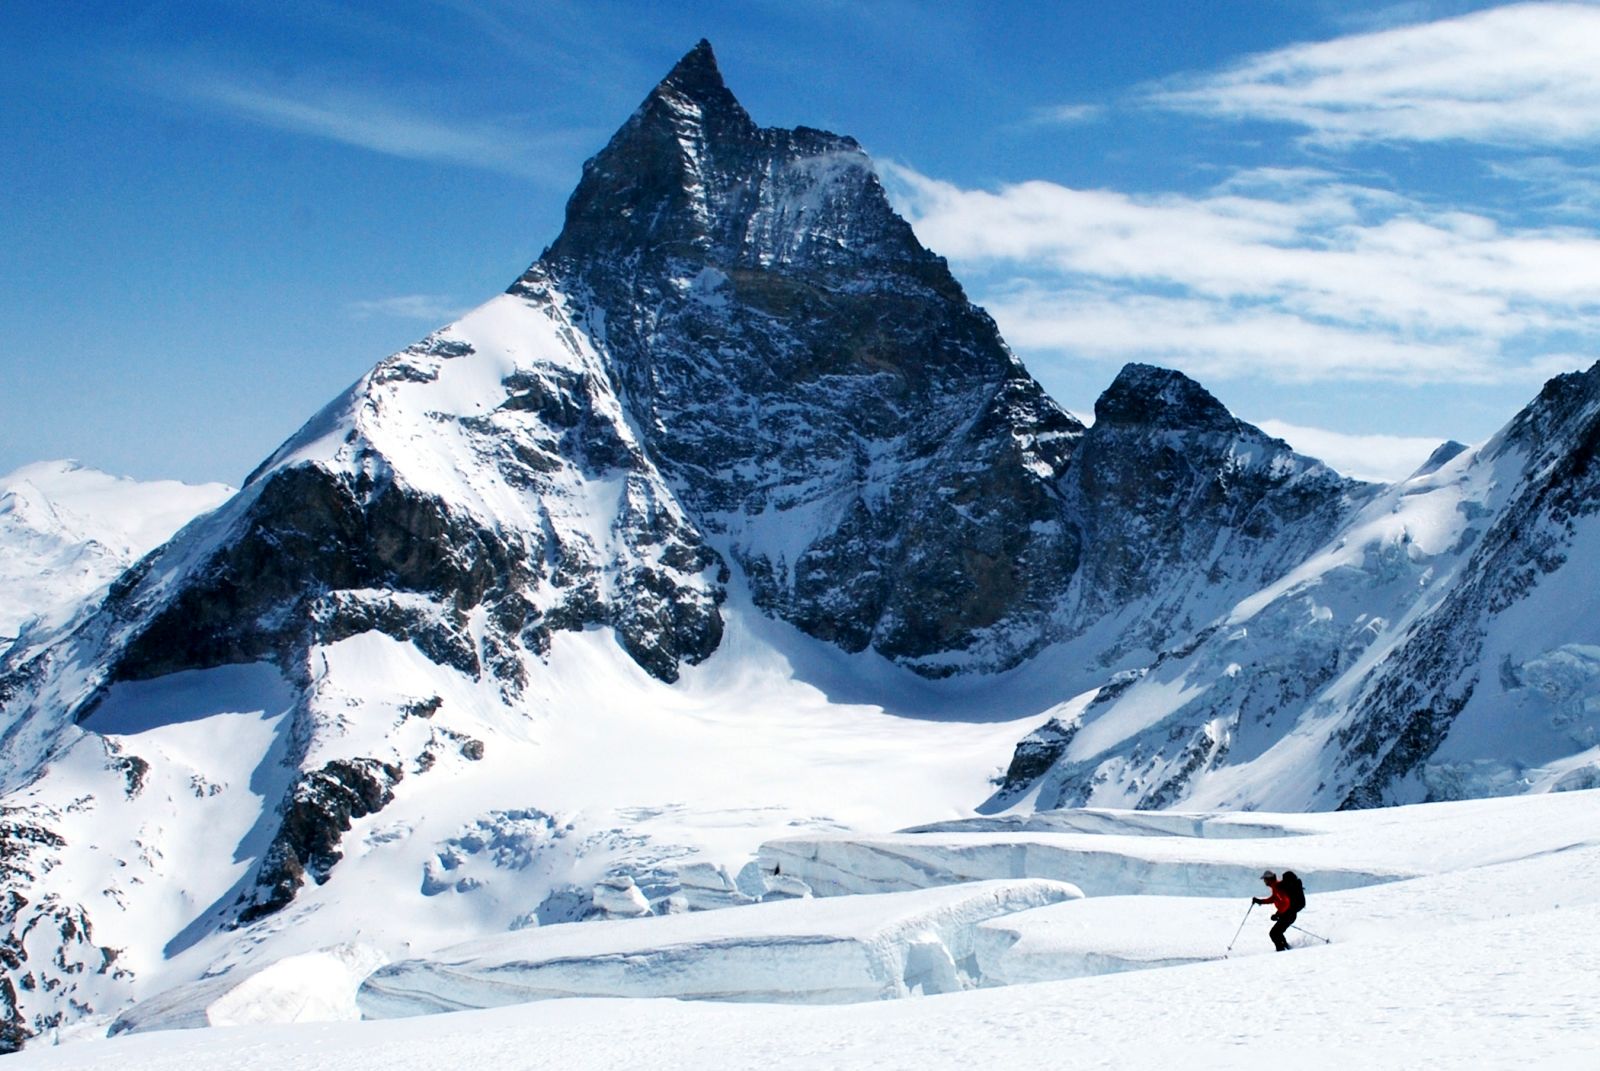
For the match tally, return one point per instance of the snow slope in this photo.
(66, 531)
(505, 818)
(1443, 644)
(1507, 993)
(1487, 960)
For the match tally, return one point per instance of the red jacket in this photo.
(1279, 899)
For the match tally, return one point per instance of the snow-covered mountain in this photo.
(67, 531)
(1443, 644)
(731, 520)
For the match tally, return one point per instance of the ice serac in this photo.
(815, 384)
(844, 950)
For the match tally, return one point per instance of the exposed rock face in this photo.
(1441, 643)
(1185, 509)
(316, 814)
(1035, 754)
(814, 382)
(834, 412)
(321, 549)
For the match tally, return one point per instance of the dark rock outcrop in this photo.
(1034, 755)
(1184, 509)
(317, 812)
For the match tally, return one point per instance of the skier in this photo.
(1288, 899)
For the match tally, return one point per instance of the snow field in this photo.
(954, 937)
(603, 772)
(1102, 935)
(1114, 933)
(756, 779)
(153, 848)
(66, 531)
(1174, 888)
(1498, 993)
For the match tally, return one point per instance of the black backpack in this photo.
(1296, 891)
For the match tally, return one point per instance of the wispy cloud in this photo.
(371, 119)
(1384, 458)
(1292, 275)
(434, 308)
(1526, 74)
(1573, 189)
(1068, 114)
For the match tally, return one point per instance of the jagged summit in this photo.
(1146, 394)
(815, 382)
(691, 176)
(695, 78)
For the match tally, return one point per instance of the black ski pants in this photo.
(1285, 919)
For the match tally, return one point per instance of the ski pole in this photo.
(1240, 930)
(1308, 933)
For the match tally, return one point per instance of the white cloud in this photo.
(1573, 189)
(1216, 340)
(1526, 74)
(1384, 458)
(1292, 275)
(1069, 114)
(433, 308)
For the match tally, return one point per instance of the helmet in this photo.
(1269, 876)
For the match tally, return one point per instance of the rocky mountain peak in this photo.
(665, 177)
(696, 81)
(788, 348)
(1563, 414)
(1144, 394)
(691, 180)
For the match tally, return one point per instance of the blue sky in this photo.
(1368, 227)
